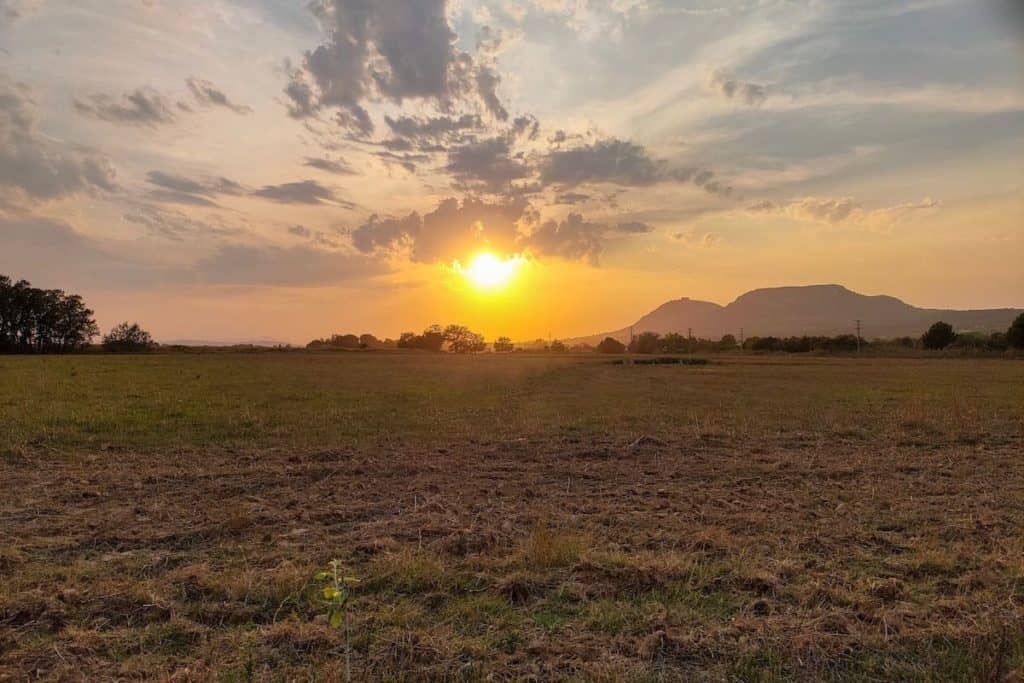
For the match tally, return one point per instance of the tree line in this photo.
(34, 320)
(460, 339)
(939, 336)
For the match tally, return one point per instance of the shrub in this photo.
(939, 336)
(128, 337)
(611, 345)
(1015, 335)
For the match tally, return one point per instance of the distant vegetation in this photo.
(36, 320)
(128, 337)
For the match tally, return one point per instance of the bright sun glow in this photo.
(488, 272)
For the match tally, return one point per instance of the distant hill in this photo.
(812, 310)
(212, 343)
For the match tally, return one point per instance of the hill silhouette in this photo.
(811, 310)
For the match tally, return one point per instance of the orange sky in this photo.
(234, 170)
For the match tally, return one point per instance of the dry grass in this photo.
(821, 520)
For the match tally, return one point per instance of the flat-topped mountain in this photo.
(812, 310)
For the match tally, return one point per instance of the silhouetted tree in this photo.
(939, 336)
(432, 339)
(461, 339)
(503, 345)
(1015, 335)
(673, 342)
(645, 342)
(557, 347)
(368, 341)
(128, 337)
(42, 320)
(727, 343)
(611, 345)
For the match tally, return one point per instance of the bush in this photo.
(503, 345)
(939, 336)
(128, 337)
(611, 345)
(1015, 335)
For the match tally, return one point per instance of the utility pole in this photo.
(689, 340)
(858, 334)
(741, 339)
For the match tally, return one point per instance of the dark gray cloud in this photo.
(317, 237)
(301, 192)
(431, 131)
(394, 50)
(335, 166)
(605, 161)
(174, 197)
(32, 166)
(141, 107)
(407, 161)
(571, 198)
(178, 189)
(208, 95)
(633, 227)
(726, 84)
(487, 165)
(386, 234)
(206, 186)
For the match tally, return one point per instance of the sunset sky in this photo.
(285, 169)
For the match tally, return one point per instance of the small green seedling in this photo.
(336, 591)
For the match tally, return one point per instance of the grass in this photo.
(785, 519)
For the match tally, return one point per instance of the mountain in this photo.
(813, 310)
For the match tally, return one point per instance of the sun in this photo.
(487, 272)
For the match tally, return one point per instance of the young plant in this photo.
(336, 591)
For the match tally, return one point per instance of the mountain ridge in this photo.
(826, 310)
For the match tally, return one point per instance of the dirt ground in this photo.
(568, 554)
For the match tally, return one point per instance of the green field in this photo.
(554, 517)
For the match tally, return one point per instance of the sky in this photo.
(289, 169)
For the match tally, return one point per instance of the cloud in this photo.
(12, 10)
(208, 95)
(396, 51)
(724, 83)
(141, 107)
(33, 166)
(177, 226)
(486, 165)
(335, 166)
(841, 210)
(208, 186)
(178, 189)
(573, 238)
(454, 230)
(633, 228)
(431, 131)
(61, 256)
(691, 236)
(316, 237)
(605, 161)
(302, 192)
